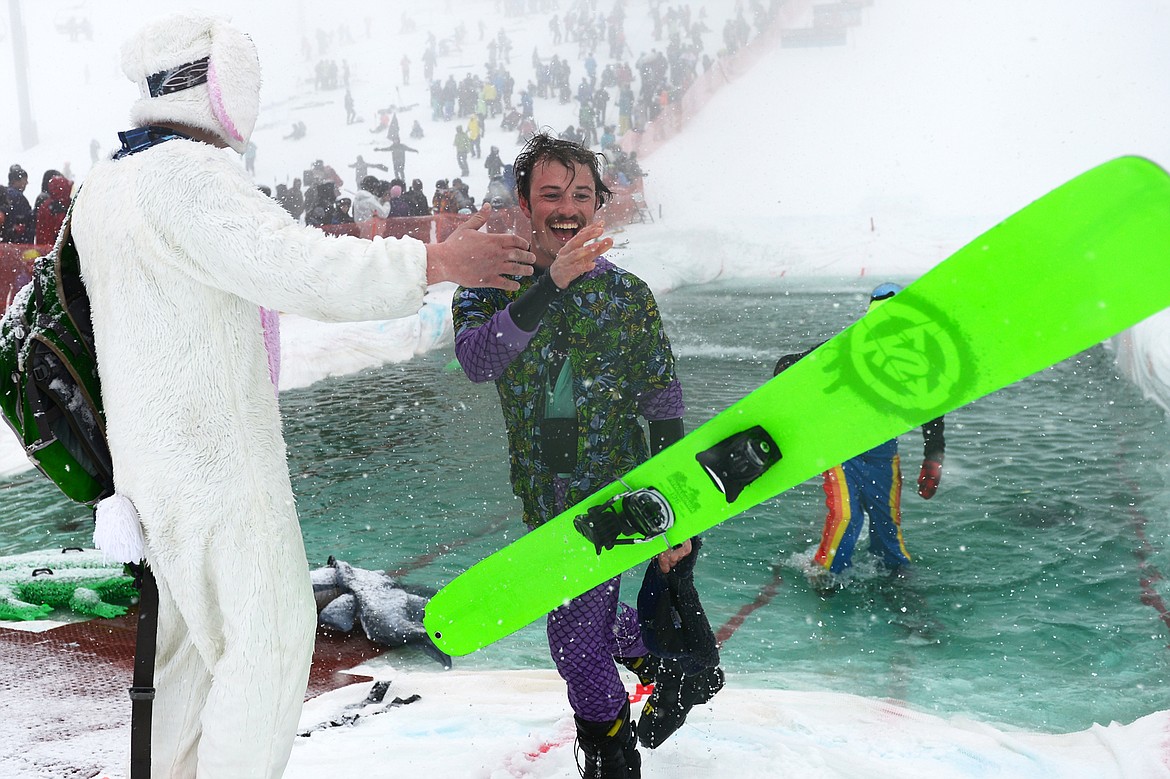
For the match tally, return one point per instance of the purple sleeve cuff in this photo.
(485, 351)
(663, 404)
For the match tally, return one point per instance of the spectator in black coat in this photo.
(292, 199)
(416, 200)
(493, 163)
(19, 222)
(396, 205)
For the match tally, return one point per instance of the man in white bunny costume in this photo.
(179, 251)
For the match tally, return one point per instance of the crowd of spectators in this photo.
(23, 222)
(319, 201)
(613, 99)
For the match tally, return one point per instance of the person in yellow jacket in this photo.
(474, 134)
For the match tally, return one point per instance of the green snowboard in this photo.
(1072, 269)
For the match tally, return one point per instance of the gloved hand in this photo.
(786, 362)
(928, 478)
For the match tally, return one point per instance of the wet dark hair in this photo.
(543, 148)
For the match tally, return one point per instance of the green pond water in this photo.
(1034, 600)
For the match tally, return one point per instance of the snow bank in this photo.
(494, 725)
(1143, 357)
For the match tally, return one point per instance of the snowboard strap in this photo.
(644, 514)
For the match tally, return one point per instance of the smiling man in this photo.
(577, 355)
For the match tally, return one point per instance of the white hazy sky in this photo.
(957, 107)
(952, 107)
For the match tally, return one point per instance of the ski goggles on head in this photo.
(178, 78)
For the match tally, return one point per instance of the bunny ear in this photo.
(233, 83)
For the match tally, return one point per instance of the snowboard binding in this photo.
(642, 515)
(736, 462)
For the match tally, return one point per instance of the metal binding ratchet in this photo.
(641, 515)
(739, 460)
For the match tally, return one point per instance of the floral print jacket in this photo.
(622, 367)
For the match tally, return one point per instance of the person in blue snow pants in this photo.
(870, 485)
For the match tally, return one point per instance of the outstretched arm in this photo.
(476, 259)
(484, 345)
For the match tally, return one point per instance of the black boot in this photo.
(610, 749)
(644, 667)
(674, 695)
(701, 687)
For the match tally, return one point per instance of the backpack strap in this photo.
(60, 368)
(69, 288)
(142, 693)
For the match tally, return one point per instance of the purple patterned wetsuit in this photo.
(631, 374)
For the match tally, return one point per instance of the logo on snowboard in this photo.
(909, 357)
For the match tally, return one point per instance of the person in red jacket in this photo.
(51, 211)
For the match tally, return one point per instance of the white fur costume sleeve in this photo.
(178, 251)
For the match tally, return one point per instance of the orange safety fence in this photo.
(421, 228)
(16, 259)
(621, 209)
(626, 206)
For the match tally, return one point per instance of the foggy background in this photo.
(947, 107)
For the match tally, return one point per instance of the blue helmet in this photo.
(883, 291)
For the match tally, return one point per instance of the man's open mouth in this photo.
(564, 229)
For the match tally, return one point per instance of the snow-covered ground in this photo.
(879, 157)
(514, 724)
